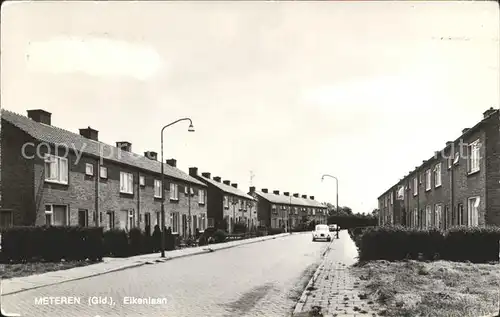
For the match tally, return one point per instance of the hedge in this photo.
(394, 243)
(52, 244)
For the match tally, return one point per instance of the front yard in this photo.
(441, 288)
(20, 270)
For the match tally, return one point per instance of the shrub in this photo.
(219, 236)
(116, 243)
(394, 243)
(240, 228)
(273, 231)
(137, 239)
(47, 243)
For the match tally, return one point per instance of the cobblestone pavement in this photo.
(259, 279)
(333, 290)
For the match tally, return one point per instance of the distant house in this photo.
(287, 211)
(458, 185)
(227, 204)
(57, 177)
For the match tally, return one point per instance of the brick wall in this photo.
(17, 175)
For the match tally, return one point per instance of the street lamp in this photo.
(190, 129)
(336, 186)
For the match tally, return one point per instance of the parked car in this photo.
(321, 232)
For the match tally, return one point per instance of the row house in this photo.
(57, 177)
(459, 185)
(227, 204)
(287, 211)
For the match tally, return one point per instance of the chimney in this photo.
(296, 195)
(286, 193)
(89, 133)
(172, 162)
(304, 196)
(488, 112)
(252, 189)
(40, 115)
(227, 182)
(448, 143)
(217, 179)
(264, 190)
(193, 171)
(311, 197)
(465, 130)
(276, 192)
(151, 155)
(124, 146)
(206, 175)
(234, 185)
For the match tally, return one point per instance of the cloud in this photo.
(101, 57)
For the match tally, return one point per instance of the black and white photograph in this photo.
(250, 158)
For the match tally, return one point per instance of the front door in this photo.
(147, 223)
(184, 225)
(195, 224)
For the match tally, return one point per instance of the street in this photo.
(259, 279)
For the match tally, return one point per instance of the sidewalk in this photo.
(333, 290)
(20, 284)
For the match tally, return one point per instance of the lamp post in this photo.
(336, 187)
(190, 129)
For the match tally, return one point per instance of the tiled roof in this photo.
(227, 188)
(58, 136)
(282, 199)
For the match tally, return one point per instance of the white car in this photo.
(321, 232)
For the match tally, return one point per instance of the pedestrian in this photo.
(156, 238)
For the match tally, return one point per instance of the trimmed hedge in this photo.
(52, 244)
(394, 243)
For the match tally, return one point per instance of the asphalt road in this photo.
(259, 279)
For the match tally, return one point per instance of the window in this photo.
(202, 221)
(456, 158)
(157, 193)
(126, 183)
(473, 157)
(111, 219)
(191, 191)
(427, 179)
(103, 172)
(56, 215)
(438, 214)
(428, 215)
(158, 218)
(186, 190)
(211, 222)
(83, 218)
(460, 215)
(56, 169)
(240, 204)
(174, 220)
(142, 180)
(174, 191)
(6, 219)
(450, 162)
(437, 175)
(392, 198)
(201, 196)
(89, 169)
(473, 211)
(415, 217)
(385, 202)
(415, 186)
(131, 219)
(226, 202)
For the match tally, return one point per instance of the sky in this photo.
(288, 91)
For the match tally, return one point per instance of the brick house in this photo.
(226, 203)
(278, 211)
(53, 176)
(459, 185)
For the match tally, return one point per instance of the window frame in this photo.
(157, 189)
(51, 213)
(61, 178)
(201, 196)
(473, 156)
(428, 180)
(174, 191)
(473, 219)
(142, 180)
(128, 180)
(438, 176)
(101, 174)
(438, 215)
(415, 186)
(428, 216)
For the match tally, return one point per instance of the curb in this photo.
(136, 264)
(301, 302)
